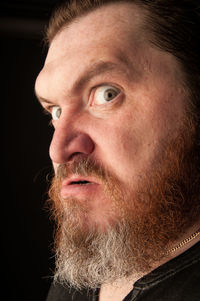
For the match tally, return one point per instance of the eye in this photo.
(104, 94)
(56, 112)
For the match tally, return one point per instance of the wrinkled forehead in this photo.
(106, 26)
(113, 33)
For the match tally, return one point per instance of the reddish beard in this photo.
(144, 220)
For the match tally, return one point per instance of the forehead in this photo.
(107, 28)
(113, 33)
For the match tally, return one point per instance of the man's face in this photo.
(120, 100)
(118, 108)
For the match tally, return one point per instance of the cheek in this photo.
(119, 147)
(131, 143)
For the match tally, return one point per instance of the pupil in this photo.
(110, 94)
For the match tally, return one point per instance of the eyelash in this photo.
(47, 109)
(47, 112)
(104, 84)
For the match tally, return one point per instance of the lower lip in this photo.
(81, 190)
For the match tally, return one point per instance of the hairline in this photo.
(83, 14)
(145, 26)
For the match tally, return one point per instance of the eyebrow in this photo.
(98, 68)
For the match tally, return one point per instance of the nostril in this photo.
(74, 155)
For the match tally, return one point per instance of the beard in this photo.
(142, 221)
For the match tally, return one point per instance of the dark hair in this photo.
(174, 26)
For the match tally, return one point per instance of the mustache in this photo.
(82, 166)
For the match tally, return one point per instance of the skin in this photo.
(147, 111)
(126, 135)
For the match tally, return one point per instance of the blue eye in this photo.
(104, 94)
(56, 112)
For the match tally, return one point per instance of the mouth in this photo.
(81, 182)
(79, 186)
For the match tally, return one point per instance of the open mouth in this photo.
(73, 180)
(80, 182)
(79, 186)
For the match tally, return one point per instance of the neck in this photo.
(119, 289)
(185, 241)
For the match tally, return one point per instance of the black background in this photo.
(27, 232)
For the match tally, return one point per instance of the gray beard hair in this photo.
(82, 267)
(103, 258)
(87, 258)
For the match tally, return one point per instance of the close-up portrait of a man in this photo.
(121, 83)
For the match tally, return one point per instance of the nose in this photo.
(67, 143)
